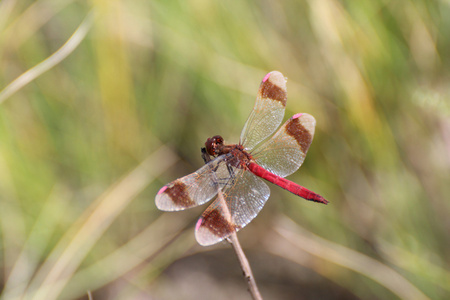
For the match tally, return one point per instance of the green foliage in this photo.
(85, 146)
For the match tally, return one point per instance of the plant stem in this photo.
(233, 240)
(248, 274)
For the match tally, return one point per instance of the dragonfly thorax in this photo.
(238, 157)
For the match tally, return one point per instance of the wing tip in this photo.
(159, 203)
(161, 190)
(304, 116)
(199, 223)
(276, 78)
(164, 204)
(273, 87)
(204, 236)
(307, 121)
(266, 77)
(174, 197)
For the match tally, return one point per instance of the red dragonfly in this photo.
(234, 171)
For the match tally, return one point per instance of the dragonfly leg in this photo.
(206, 157)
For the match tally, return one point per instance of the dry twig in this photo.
(248, 274)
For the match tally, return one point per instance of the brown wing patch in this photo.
(271, 88)
(179, 195)
(302, 135)
(217, 224)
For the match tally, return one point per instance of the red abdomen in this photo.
(286, 184)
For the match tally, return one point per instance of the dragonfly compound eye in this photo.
(212, 144)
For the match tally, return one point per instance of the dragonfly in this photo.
(232, 173)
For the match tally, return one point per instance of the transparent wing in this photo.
(194, 189)
(235, 206)
(268, 111)
(285, 152)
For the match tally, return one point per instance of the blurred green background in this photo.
(104, 102)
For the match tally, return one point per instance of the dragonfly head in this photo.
(213, 145)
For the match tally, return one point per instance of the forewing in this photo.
(194, 189)
(285, 152)
(243, 198)
(268, 111)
